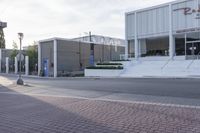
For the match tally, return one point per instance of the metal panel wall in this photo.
(130, 25)
(68, 56)
(72, 53)
(149, 22)
(47, 53)
(152, 22)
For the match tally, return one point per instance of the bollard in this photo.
(7, 65)
(26, 65)
(16, 65)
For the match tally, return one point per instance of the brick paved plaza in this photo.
(46, 114)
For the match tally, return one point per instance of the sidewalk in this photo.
(45, 109)
(46, 114)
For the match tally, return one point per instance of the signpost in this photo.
(18, 57)
(20, 81)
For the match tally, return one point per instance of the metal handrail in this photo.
(193, 61)
(198, 55)
(165, 64)
(190, 64)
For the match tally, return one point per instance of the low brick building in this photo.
(58, 56)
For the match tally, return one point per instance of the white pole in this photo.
(0, 58)
(27, 66)
(185, 46)
(126, 38)
(55, 58)
(39, 58)
(7, 65)
(136, 39)
(171, 39)
(16, 65)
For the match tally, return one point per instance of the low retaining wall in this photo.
(102, 73)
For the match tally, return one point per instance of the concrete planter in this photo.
(102, 72)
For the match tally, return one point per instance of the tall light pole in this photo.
(91, 50)
(111, 42)
(103, 38)
(20, 81)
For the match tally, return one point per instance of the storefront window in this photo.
(131, 48)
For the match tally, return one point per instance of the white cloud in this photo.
(66, 18)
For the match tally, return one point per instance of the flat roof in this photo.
(3, 24)
(53, 38)
(73, 40)
(156, 6)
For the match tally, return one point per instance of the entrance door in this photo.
(193, 50)
(192, 45)
(45, 67)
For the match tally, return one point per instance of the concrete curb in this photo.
(136, 77)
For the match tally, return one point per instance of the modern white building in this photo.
(163, 40)
(171, 29)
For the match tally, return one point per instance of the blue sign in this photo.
(92, 60)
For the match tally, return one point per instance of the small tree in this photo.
(2, 40)
(15, 50)
(33, 57)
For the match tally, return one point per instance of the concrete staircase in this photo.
(163, 68)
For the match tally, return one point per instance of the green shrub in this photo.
(106, 67)
(120, 60)
(111, 64)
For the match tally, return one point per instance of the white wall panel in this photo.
(149, 22)
(130, 28)
(152, 22)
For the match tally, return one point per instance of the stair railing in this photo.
(166, 64)
(198, 55)
(190, 64)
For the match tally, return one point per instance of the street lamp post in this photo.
(103, 38)
(20, 81)
(111, 44)
(91, 48)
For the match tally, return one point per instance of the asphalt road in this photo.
(182, 88)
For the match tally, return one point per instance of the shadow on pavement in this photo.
(21, 113)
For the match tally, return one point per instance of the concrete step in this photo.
(163, 68)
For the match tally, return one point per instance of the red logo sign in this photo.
(189, 11)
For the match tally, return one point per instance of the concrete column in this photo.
(55, 58)
(7, 65)
(26, 65)
(0, 59)
(136, 39)
(143, 47)
(126, 50)
(126, 39)
(171, 39)
(39, 58)
(139, 48)
(136, 49)
(16, 65)
(197, 7)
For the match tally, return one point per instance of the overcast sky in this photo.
(41, 19)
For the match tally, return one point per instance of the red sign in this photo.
(189, 11)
